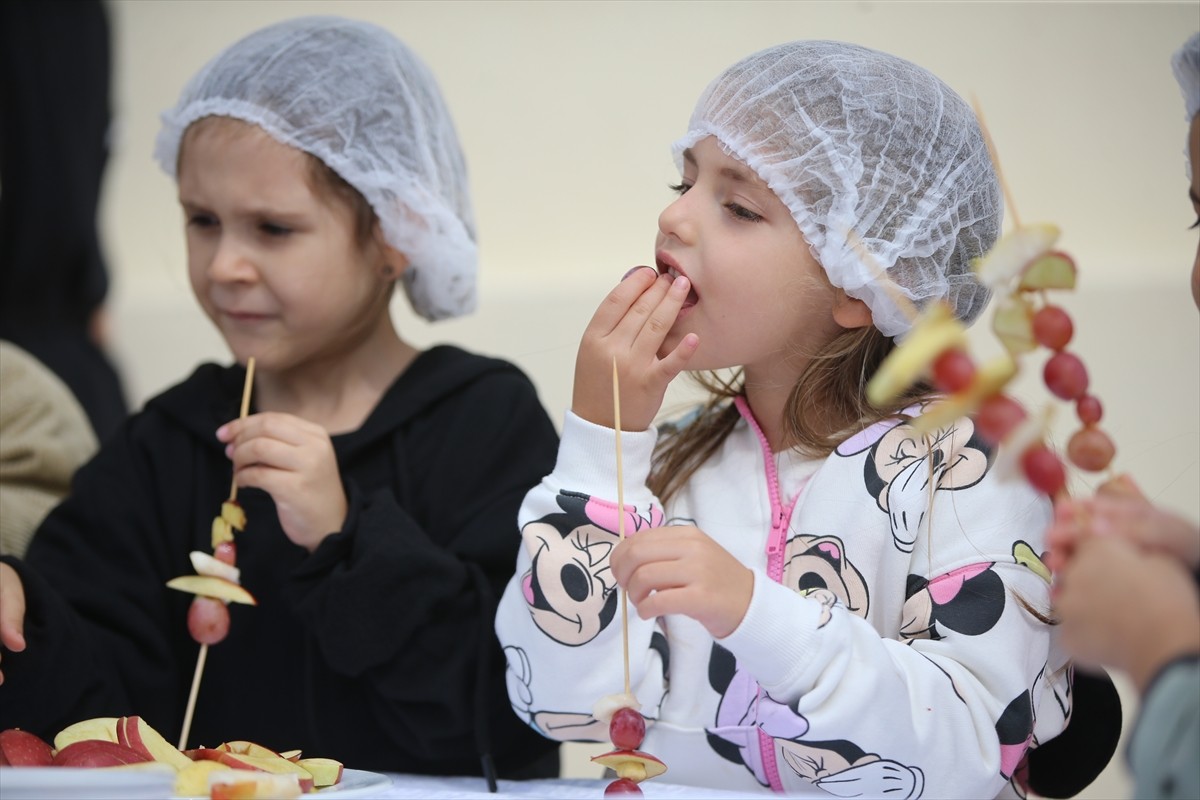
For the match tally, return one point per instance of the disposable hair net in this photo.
(1185, 63)
(354, 96)
(883, 167)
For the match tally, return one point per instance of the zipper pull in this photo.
(775, 542)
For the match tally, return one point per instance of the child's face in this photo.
(277, 267)
(759, 299)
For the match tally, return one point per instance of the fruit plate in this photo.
(77, 783)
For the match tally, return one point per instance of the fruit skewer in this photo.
(217, 581)
(627, 726)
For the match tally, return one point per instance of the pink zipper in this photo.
(781, 515)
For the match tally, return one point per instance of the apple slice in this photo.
(1053, 270)
(1016, 249)
(325, 771)
(233, 513)
(136, 733)
(97, 753)
(1013, 325)
(221, 531)
(272, 764)
(192, 780)
(250, 785)
(935, 331)
(204, 564)
(245, 748)
(632, 764)
(209, 586)
(290, 755)
(104, 728)
(20, 748)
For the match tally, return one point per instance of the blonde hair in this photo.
(827, 403)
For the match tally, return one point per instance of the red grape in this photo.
(226, 552)
(627, 729)
(208, 620)
(1066, 376)
(997, 417)
(1091, 449)
(953, 370)
(1052, 327)
(1043, 469)
(622, 786)
(1089, 410)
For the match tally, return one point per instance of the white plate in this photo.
(78, 783)
(354, 783)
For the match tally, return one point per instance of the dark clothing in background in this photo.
(55, 72)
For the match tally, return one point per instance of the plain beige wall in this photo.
(566, 111)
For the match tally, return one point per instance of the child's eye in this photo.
(679, 188)
(742, 212)
(271, 229)
(201, 220)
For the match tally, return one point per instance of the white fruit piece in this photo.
(212, 587)
(204, 564)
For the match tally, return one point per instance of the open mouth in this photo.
(670, 270)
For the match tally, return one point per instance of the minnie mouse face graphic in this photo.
(569, 588)
(813, 563)
(904, 467)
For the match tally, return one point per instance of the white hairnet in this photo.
(869, 152)
(1185, 63)
(354, 96)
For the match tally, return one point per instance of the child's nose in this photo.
(231, 262)
(675, 220)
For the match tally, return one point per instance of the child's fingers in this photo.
(271, 424)
(617, 303)
(661, 318)
(642, 311)
(12, 610)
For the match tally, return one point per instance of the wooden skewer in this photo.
(203, 656)
(245, 410)
(621, 517)
(991, 146)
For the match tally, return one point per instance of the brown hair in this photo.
(827, 402)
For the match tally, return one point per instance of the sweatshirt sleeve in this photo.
(559, 619)
(401, 601)
(964, 678)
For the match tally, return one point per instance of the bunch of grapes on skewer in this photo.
(217, 581)
(626, 725)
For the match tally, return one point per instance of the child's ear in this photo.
(850, 312)
(393, 262)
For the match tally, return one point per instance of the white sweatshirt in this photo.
(887, 650)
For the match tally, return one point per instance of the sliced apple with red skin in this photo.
(97, 753)
(136, 733)
(632, 764)
(20, 748)
(290, 755)
(272, 764)
(325, 771)
(1053, 270)
(245, 748)
(104, 728)
(209, 586)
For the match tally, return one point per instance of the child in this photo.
(317, 164)
(1127, 575)
(827, 602)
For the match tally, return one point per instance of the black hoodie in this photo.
(376, 650)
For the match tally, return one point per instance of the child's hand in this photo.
(1126, 607)
(631, 325)
(12, 612)
(292, 460)
(680, 570)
